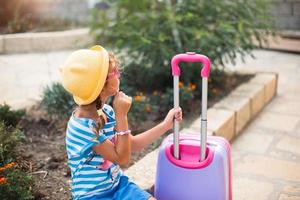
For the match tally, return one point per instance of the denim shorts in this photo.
(126, 190)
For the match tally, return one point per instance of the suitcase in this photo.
(191, 167)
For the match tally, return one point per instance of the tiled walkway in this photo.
(266, 156)
(23, 76)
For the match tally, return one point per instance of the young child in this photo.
(98, 139)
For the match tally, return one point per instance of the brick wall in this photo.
(286, 13)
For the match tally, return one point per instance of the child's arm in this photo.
(118, 153)
(144, 139)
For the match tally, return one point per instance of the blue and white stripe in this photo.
(87, 179)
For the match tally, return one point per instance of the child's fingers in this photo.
(178, 114)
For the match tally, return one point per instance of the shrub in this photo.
(151, 32)
(14, 183)
(9, 138)
(57, 101)
(10, 117)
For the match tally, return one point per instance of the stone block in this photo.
(270, 81)
(219, 122)
(255, 92)
(143, 172)
(61, 40)
(1, 44)
(17, 43)
(241, 106)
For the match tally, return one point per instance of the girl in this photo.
(98, 139)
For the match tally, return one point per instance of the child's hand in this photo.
(121, 104)
(173, 113)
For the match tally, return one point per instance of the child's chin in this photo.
(114, 94)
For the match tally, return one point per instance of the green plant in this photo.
(151, 32)
(9, 138)
(57, 101)
(10, 117)
(15, 184)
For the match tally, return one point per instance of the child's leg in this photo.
(151, 198)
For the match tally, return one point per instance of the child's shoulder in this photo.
(109, 110)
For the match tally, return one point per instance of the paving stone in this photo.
(290, 189)
(284, 105)
(288, 197)
(15, 43)
(221, 122)
(143, 172)
(276, 121)
(290, 144)
(253, 142)
(18, 70)
(241, 106)
(256, 94)
(290, 92)
(248, 189)
(269, 167)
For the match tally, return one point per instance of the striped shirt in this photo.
(87, 178)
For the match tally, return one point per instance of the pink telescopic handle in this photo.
(190, 57)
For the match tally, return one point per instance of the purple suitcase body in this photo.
(184, 170)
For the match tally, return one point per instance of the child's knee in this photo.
(151, 198)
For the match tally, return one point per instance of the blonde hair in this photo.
(113, 59)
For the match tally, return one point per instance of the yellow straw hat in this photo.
(84, 74)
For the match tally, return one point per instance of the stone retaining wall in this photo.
(46, 41)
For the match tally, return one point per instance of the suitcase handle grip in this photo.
(190, 57)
